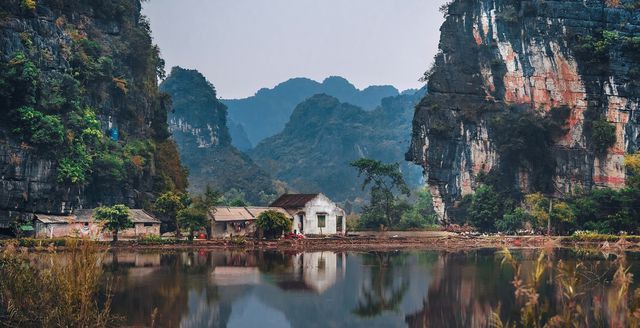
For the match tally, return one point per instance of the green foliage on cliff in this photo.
(603, 135)
(524, 140)
(68, 98)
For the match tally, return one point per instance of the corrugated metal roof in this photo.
(49, 218)
(293, 200)
(136, 215)
(226, 214)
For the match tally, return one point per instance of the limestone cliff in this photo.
(82, 120)
(566, 71)
(198, 123)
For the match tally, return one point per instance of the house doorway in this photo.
(300, 222)
(339, 223)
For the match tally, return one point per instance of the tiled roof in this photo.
(293, 200)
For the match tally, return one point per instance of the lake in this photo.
(368, 289)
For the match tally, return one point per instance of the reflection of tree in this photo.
(166, 288)
(382, 293)
(460, 292)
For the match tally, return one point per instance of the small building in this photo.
(82, 224)
(313, 214)
(236, 221)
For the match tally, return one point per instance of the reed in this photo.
(55, 290)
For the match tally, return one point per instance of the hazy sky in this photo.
(244, 45)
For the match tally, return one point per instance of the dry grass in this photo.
(54, 290)
(574, 284)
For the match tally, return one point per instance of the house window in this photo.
(148, 224)
(322, 220)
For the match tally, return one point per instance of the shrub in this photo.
(273, 224)
(603, 135)
(38, 293)
(40, 129)
(513, 221)
(485, 208)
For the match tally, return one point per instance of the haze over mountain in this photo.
(267, 112)
(324, 135)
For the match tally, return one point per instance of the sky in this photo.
(242, 46)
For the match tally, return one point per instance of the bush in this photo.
(485, 208)
(40, 129)
(273, 224)
(603, 135)
(512, 222)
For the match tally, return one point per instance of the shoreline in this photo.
(437, 241)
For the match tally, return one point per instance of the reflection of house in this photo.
(234, 276)
(319, 269)
(82, 224)
(313, 214)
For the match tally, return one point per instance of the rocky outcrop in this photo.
(82, 121)
(510, 59)
(198, 123)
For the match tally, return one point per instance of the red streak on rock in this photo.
(610, 181)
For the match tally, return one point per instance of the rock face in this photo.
(198, 123)
(82, 121)
(507, 57)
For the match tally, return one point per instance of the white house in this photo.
(313, 214)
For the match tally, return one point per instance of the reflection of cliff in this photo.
(385, 287)
(459, 293)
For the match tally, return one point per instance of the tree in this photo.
(421, 214)
(192, 219)
(115, 218)
(385, 178)
(513, 221)
(273, 224)
(485, 208)
(169, 204)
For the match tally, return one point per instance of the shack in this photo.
(81, 224)
(237, 221)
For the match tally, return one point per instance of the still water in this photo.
(357, 289)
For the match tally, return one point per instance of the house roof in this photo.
(136, 215)
(49, 218)
(256, 211)
(293, 200)
(226, 214)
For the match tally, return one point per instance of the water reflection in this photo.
(329, 289)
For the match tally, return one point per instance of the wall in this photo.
(321, 204)
(92, 231)
(226, 230)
